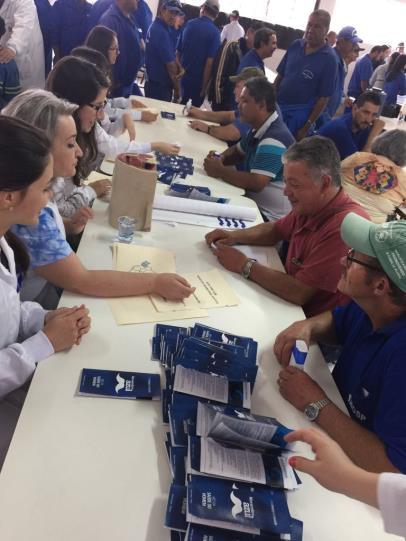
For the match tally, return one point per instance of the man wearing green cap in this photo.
(231, 128)
(371, 370)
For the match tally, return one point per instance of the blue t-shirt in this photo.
(371, 377)
(44, 242)
(69, 24)
(395, 87)
(339, 130)
(143, 14)
(9, 82)
(335, 100)
(242, 127)
(199, 41)
(251, 60)
(98, 8)
(306, 77)
(362, 72)
(129, 59)
(159, 50)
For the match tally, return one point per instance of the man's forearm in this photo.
(377, 127)
(361, 445)
(259, 235)
(224, 133)
(318, 108)
(243, 179)
(206, 75)
(323, 328)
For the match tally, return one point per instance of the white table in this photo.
(393, 124)
(95, 469)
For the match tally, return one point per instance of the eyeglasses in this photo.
(97, 107)
(115, 49)
(352, 259)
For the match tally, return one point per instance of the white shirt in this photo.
(70, 198)
(23, 35)
(22, 342)
(111, 146)
(392, 502)
(114, 111)
(232, 32)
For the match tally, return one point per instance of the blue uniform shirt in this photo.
(69, 20)
(371, 377)
(98, 8)
(339, 130)
(395, 87)
(306, 77)
(242, 127)
(9, 82)
(143, 16)
(338, 93)
(199, 41)
(129, 59)
(159, 50)
(251, 60)
(362, 72)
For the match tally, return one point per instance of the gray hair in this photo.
(39, 108)
(392, 145)
(320, 155)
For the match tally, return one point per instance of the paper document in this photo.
(212, 291)
(196, 383)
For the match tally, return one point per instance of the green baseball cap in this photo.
(386, 242)
(246, 74)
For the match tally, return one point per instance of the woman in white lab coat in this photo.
(23, 41)
(28, 334)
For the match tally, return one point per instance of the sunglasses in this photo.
(97, 107)
(352, 259)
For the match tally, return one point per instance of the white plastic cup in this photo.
(126, 228)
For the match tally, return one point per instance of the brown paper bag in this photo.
(134, 182)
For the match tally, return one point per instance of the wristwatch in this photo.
(313, 409)
(246, 270)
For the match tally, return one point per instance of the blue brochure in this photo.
(175, 517)
(197, 532)
(237, 506)
(177, 459)
(209, 333)
(167, 114)
(179, 419)
(110, 383)
(177, 536)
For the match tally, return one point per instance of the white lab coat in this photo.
(23, 35)
(22, 345)
(112, 146)
(392, 502)
(232, 32)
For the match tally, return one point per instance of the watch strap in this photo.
(246, 270)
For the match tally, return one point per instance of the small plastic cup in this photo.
(126, 228)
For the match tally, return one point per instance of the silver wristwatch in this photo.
(313, 409)
(246, 270)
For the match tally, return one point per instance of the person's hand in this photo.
(195, 112)
(302, 133)
(79, 220)
(220, 235)
(166, 148)
(101, 187)
(180, 73)
(148, 116)
(198, 125)
(213, 166)
(299, 388)
(171, 286)
(6, 54)
(284, 342)
(231, 258)
(65, 327)
(348, 102)
(128, 125)
(331, 467)
(136, 104)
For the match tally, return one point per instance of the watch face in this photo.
(311, 412)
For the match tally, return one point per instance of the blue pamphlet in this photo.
(175, 517)
(197, 532)
(167, 114)
(110, 383)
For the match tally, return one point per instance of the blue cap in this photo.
(349, 33)
(173, 5)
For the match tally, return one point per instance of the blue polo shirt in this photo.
(306, 77)
(98, 8)
(362, 72)
(199, 41)
(129, 59)
(339, 130)
(242, 127)
(251, 60)
(143, 14)
(371, 377)
(159, 50)
(395, 87)
(338, 93)
(69, 24)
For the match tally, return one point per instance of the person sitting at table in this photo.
(356, 130)
(370, 372)
(53, 263)
(259, 151)
(312, 228)
(231, 127)
(104, 40)
(334, 470)
(28, 333)
(376, 179)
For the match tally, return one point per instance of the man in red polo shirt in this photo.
(312, 229)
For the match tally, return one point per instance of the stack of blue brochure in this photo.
(229, 467)
(171, 167)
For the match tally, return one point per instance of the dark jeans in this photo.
(158, 91)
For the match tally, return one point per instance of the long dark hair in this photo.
(24, 155)
(100, 38)
(397, 67)
(79, 81)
